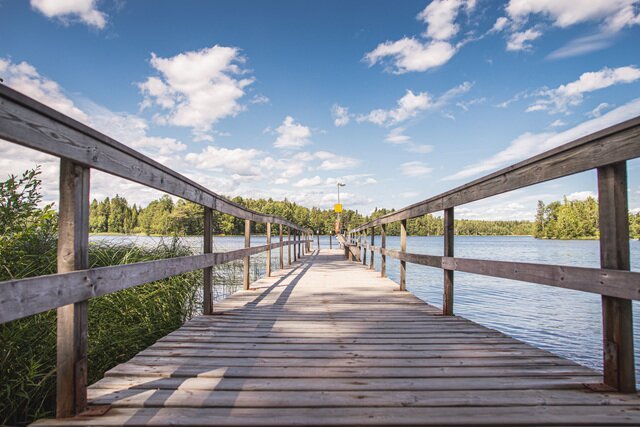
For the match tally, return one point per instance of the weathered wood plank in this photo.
(72, 320)
(602, 281)
(335, 399)
(346, 384)
(465, 416)
(617, 314)
(403, 249)
(207, 272)
(447, 302)
(24, 297)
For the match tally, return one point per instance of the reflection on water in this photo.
(563, 321)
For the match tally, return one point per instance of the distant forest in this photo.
(577, 219)
(567, 220)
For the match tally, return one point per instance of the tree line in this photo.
(166, 217)
(574, 219)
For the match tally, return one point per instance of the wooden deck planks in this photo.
(328, 342)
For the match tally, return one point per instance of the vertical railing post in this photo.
(403, 249)
(373, 241)
(617, 315)
(447, 302)
(383, 245)
(300, 254)
(364, 246)
(330, 241)
(207, 272)
(281, 248)
(289, 245)
(72, 319)
(318, 238)
(269, 250)
(247, 244)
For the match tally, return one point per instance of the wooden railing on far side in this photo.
(606, 151)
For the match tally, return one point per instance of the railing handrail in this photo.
(54, 133)
(27, 122)
(607, 151)
(575, 157)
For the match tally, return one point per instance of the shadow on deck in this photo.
(328, 342)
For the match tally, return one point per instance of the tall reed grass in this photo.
(120, 325)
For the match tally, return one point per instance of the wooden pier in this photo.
(325, 339)
(330, 342)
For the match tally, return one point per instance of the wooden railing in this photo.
(31, 124)
(607, 151)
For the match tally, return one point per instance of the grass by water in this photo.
(120, 325)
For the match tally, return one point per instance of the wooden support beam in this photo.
(295, 246)
(268, 250)
(247, 259)
(72, 319)
(403, 248)
(373, 241)
(363, 243)
(447, 302)
(289, 245)
(281, 247)
(617, 316)
(207, 278)
(383, 257)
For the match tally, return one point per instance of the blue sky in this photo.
(399, 100)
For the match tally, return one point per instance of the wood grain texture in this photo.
(616, 283)
(449, 231)
(24, 297)
(268, 260)
(246, 261)
(403, 249)
(207, 272)
(617, 314)
(328, 342)
(72, 320)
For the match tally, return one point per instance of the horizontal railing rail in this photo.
(29, 123)
(25, 297)
(606, 151)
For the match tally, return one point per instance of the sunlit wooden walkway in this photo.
(329, 342)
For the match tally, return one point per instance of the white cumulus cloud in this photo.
(520, 40)
(292, 135)
(408, 106)
(231, 160)
(559, 100)
(612, 16)
(340, 115)
(413, 54)
(67, 11)
(196, 89)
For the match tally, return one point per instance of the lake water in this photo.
(562, 321)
